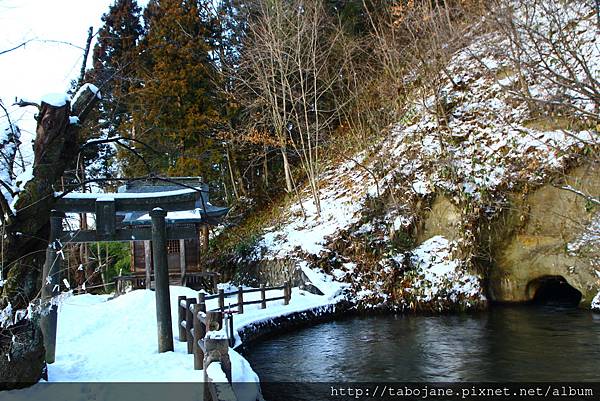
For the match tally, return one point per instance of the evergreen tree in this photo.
(114, 58)
(177, 109)
(114, 69)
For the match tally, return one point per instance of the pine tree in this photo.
(177, 110)
(114, 70)
(115, 56)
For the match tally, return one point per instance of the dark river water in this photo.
(525, 343)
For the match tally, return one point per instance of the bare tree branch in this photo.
(582, 194)
(16, 47)
(25, 103)
(85, 57)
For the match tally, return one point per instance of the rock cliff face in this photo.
(442, 218)
(538, 239)
(538, 236)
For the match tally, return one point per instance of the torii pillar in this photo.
(51, 285)
(161, 280)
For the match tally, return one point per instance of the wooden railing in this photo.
(196, 280)
(221, 295)
(202, 329)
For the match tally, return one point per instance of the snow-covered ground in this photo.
(115, 340)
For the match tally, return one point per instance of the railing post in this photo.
(181, 317)
(202, 301)
(51, 284)
(198, 335)
(240, 300)
(231, 336)
(287, 292)
(217, 350)
(214, 321)
(189, 324)
(263, 297)
(222, 300)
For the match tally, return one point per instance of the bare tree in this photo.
(554, 52)
(553, 44)
(289, 64)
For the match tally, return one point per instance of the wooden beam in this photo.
(106, 218)
(205, 237)
(131, 257)
(189, 324)
(199, 333)
(127, 234)
(169, 203)
(51, 285)
(198, 248)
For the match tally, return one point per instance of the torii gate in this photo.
(106, 206)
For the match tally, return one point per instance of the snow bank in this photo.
(440, 277)
(341, 202)
(114, 340)
(300, 301)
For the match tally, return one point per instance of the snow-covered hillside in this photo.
(490, 141)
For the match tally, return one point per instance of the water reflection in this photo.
(505, 344)
(454, 348)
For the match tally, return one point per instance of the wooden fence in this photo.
(202, 330)
(196, 280)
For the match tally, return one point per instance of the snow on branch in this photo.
(10, 135)
(587, 197)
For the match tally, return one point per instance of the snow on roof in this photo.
(196, 215)
(180, 215)
(126, 195)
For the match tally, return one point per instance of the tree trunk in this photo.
(266, 169)
(27, 238)
(286, 168)
(230, 168)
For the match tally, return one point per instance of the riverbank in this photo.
(114, 340)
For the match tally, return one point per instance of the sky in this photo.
(45, 65)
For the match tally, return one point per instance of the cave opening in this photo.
(553, 290)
